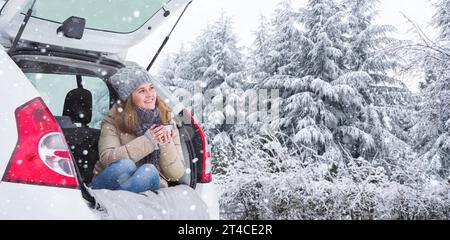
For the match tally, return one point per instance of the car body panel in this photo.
(208, 193)
(16, 91)
(25, 201)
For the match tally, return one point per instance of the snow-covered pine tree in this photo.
(277, 48)
(313, 108)
(176, 69)
(442, 18)
(226, 57)
(260, 51)
(330, 84)
(213, 64)
(280, 63)
(225, 60)
(274, 46)
(323, 45)
(284, 41)
(221, 82)
(211, 70)
(306, 55)
(431, 132)
(365, 39)
(367, 61)
(166, 69)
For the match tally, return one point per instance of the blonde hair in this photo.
(126, 118)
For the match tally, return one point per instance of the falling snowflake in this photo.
(140, 217)
(136, 13)
(193, 207)
(85, 152)
(188, 171)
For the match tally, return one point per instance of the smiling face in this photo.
(144, 96)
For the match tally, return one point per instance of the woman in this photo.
(137, 152)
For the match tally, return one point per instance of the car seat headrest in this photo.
(78, 104)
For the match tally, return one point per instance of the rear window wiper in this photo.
(22, 28)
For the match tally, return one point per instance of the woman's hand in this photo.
(160, 134)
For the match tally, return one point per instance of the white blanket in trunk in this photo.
(179, 202)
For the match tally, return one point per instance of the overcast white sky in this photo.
(246, 17)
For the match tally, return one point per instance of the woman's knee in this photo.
(114, 175)
(145, 178)
(125, 166)
(151, 171)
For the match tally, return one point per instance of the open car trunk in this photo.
(106, 27)
(74, 114)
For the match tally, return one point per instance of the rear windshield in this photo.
(54, 88)
(121, 16)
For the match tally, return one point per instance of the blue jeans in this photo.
(124, 175)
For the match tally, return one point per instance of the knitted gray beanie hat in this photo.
(128, 78)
